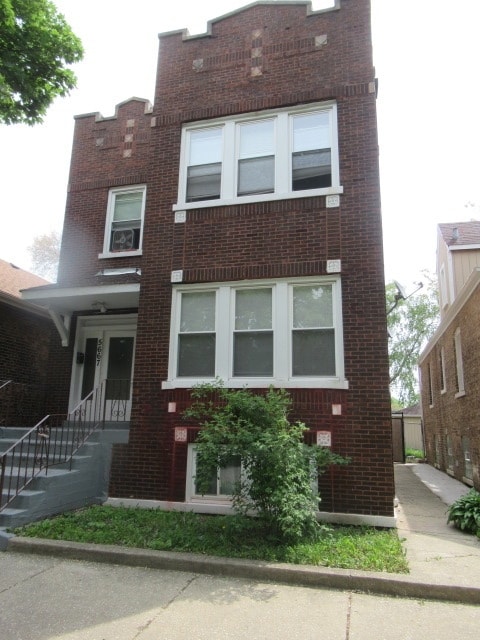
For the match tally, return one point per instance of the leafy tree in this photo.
(45, 252)
(411, 323)
(278, 468)
(36, 44)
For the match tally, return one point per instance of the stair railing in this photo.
(57, 437)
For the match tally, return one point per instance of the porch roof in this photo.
(66, 300)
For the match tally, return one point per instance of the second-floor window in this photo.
(459, 363)
(124, 225)
(275, 155)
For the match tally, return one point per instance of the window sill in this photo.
(467, 481)
(266, 197)
(460, 394)
(120, 254)
(260, 383)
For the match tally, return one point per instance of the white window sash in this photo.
(283, 148)
(282, 340)
(459, 364)
(110, 222)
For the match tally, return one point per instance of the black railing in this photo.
(56, 438)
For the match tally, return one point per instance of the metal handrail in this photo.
(57, 437)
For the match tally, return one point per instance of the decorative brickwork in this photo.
(266, 56)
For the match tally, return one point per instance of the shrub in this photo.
(465, 512)
(279, 469)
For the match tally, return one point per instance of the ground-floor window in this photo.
(222, 482)
(282, 333)
(450, 457)
(467, 458)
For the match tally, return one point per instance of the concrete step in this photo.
(14, 433)
(27, 497)
(63, 486)
(53, 445)
(11, 515)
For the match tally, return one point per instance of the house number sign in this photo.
(99, 351)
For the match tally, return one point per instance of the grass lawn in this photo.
(363, 548)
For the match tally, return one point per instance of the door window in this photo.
(120, 357)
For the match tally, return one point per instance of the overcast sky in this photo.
(426, 54)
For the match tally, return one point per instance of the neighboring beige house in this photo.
(458, 253)
(450, 363)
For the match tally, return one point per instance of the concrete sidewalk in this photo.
(438, 553)
(444, 562)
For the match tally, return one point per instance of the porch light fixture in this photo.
(101, 306)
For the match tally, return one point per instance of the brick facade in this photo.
(451, 414)
(26, 337)
(264, 57)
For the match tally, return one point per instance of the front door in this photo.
(105, 357)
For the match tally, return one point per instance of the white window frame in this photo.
(282, 349)
(443, 371)
(283, 127)
(112, 194)
(459, 364)
(430, 385)
(190, 490)
(450, 455)
(191, 495)
(467, 460)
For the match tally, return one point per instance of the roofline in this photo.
(24, 305)
(463, 247)
(465, 293)
(99, 117)
(307, 3)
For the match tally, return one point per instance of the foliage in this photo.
(465, 512)
(415, 453)
(410, 325)
(361, 548)
(45, 252)
(279, 469)
(36, 44)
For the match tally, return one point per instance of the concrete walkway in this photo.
(438, 553)
(444, 562)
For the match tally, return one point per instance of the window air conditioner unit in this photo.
(123, 240)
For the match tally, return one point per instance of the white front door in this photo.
(105, 356)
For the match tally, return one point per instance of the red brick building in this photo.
(26, 336)
(450, 363)
(233, 230)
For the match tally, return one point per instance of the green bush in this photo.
(465, 512)
(279, 469)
